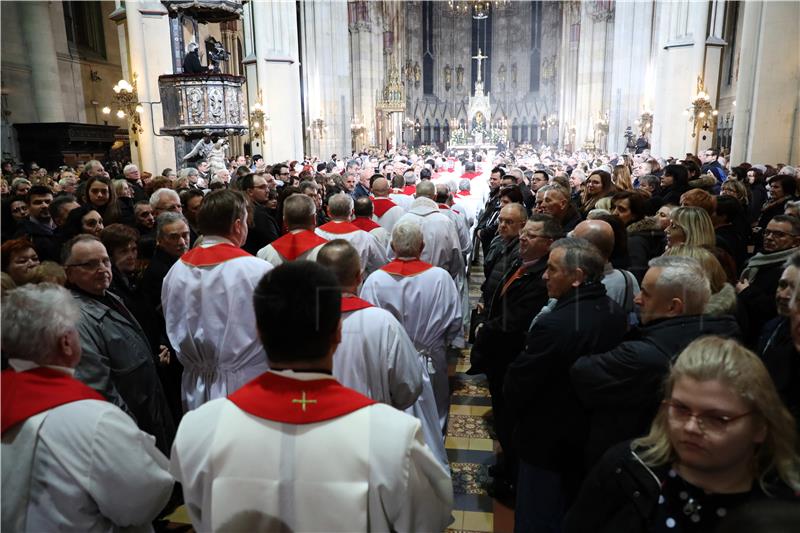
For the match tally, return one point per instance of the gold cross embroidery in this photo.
(303, 401)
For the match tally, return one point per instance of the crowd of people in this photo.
(254, 338)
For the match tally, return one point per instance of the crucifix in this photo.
(303, 401)
(480, 57)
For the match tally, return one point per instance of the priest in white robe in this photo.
(424, 298)
(442, 246)
(405, 197)
(363, 209)
(71, 461)
(385, 211)
(376, 357)
(467, 203)
(340, 209)
(300, 215)
(206, 299)
(294, 450)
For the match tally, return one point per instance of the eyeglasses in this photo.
(707, 422)
(777, 233)
(94, 264)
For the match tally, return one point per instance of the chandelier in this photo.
(126, 101)
(700, 112)
(479, 9)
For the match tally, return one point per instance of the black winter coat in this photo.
(645, 241)
(622, 388)
(621, 495)
(550, 421)
(509, 315)
(497, 259)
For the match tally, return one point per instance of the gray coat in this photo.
(117, 362)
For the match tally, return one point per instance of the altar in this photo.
(479, 133)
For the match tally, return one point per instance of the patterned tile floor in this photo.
(470, 448)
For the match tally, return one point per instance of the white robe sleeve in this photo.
(128, 476)
(405, 372)
(427, 501)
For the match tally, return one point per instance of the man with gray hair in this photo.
(621, 387)
(74, 460)
(164, 200)
(300, 242)
(537, 384)
(340, 209)
(442, 246)
(134, 179)
(192, 174)
(424, 298)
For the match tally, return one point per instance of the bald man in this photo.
(621, 285)
(385, 211)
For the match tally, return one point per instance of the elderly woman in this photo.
(722, 439)
(19, 259)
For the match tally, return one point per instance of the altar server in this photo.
(203, 294)
(294, 450)
(71, 461)
(424, 298)
(386, 211)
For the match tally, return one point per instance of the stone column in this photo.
(366, 60)
(35, 26)
(326, 76)
(275, 54)
(149, 55)
(766, 126)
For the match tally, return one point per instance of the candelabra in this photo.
(479, 9)
(126, 102)
(502, 123)
(700, 112)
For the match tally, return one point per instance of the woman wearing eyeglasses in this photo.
(722, 439)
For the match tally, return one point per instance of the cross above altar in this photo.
(480, 57)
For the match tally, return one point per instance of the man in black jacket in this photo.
(550, 423)
(622, 387)
(520, 295)
(503, 251)
(486, 228)
(264, 228)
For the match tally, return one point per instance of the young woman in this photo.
(598, 185)
(722, 439)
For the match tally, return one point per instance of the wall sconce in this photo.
(317, 128)
(258, 119)
(552, 121)
(701, 113)
(126, 101)
(644, 123)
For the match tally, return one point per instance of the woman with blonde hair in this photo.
(691, 226)
(723, 295)
(721, 440)
(621, 178)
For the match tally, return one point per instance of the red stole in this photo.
(381, 205)
(293, 245)
(292, 401)
(400, 267)
(463, 193)
(354, 303)
(409, 190)
(366, 224)
(26, 394)
(444, 206)
(212, 255)
(339, 228)
(470, 175)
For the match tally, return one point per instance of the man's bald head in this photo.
(515, 211)
(380, 187)
(598, 232)
(341, 258)
(442, 193)
(426, 189)
(299, 212)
